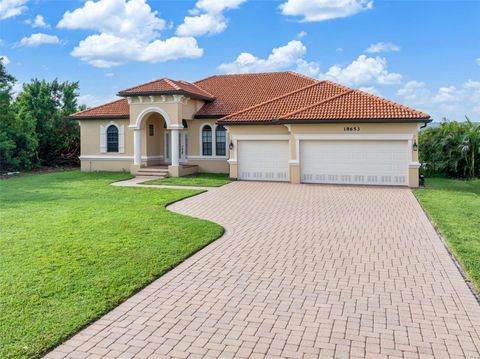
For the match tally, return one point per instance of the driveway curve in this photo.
(302, 271)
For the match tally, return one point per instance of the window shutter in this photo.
(121, 139)
(103, 139)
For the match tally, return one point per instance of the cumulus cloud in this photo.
(321, 10)
(5, 59)
(38, 21)
(208, 18)
(371, 90)
(281, 58)
(453, 102)
(128, 31)
(382, 47)
(12, 8)
(478, 61)
(362, 71)
(38, 39)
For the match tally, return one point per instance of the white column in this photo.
(137, 147)
(175, 147)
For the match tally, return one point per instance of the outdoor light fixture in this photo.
(230, 146)
(415, 146)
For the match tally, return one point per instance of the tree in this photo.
(18, 141)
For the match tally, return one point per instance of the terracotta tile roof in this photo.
(168, 86)
(236, 92)
(115, 109)
(324, 100)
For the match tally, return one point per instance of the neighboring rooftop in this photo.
(167, 86)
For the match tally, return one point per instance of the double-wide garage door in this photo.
(369, 162)
(354, 162)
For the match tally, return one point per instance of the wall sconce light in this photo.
(230, 146)
(415, 146)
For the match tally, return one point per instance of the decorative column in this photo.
(175, 146)
(137, 147)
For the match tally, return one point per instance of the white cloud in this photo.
(281, 58)
(128, 31)
(204, 24)
(446, 95)
(38, 39)
(371, 90)
(39, 21)
(415, 91)
(5, 59)
(362, 71)
(12, 8)
(382, 47)
(321, 10)
(109, 74)
(301, 34)
(478, 61)
(208, 18)
(106, 50)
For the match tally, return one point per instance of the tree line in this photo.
(452, 149)
(34, 131)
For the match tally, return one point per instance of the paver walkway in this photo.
(303, 271)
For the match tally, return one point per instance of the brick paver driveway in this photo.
(303, 271)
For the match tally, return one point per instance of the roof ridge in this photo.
(318, 103)
(96, 107)
(172, 83)
(198, 87)
(143, 84)
(390, 102)
(303, 76)
(273, 99)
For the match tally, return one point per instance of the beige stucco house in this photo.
(279, 126)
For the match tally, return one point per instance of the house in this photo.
(279, 126)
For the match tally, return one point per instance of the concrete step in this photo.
(154, 169)
(151, 173)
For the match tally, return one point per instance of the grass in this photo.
(197, 179)
(454, 207)
(72, 247)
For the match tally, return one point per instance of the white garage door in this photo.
(263, 160)
(354, 162)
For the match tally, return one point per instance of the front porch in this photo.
(160, 148)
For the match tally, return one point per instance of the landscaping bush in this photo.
(452, 149)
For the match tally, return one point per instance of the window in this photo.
(220, 141)
(151, 130)
(112, 138)
(207, 141)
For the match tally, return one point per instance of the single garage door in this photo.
(354, 162)
(263, 160)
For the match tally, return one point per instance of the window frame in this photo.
(224, 142)
(115, 149)
(203, 142)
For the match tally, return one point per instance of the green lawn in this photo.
(454, 207)
(72, 247)
(197, 179)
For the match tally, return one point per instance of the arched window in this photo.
(207, 141)
(220, 141)
(112, 138)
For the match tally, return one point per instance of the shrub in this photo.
(452, 149)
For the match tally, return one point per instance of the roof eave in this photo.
(105, 117)
(320, 121)
(208, 116)
(153, 93)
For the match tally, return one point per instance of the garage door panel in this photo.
(354, 162)
(263, 160)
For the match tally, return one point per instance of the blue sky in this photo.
(425, 54)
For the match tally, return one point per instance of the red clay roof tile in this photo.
(115, 109)
(167, 86)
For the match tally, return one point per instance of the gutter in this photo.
(153, 93)
(319, 121)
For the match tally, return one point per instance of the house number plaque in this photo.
(351, 129)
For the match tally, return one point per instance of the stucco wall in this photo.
(90, 137)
